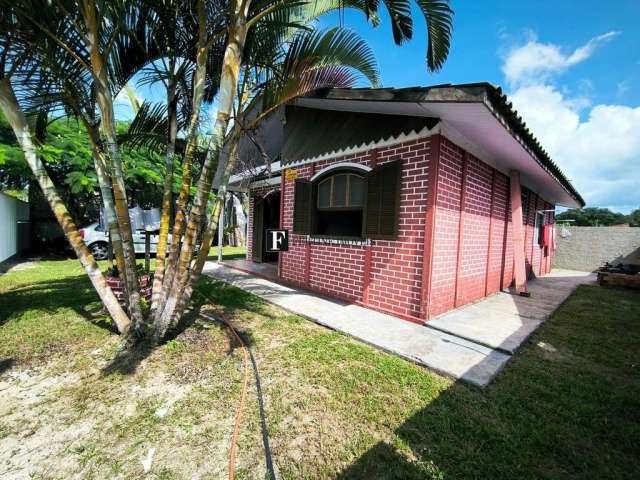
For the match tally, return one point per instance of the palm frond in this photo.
(331, 58)
(401, 20)
(149, 128)
(439, 17)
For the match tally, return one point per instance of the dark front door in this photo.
(266, 215)
(258, 229)
(271, 221)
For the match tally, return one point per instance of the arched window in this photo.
(349, 200)
(341, 191)
(339, 200)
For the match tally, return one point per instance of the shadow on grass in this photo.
(127, 360)
(6, 364)
(74, 292)
(569, 411)
(218, 294)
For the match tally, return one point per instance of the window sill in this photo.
(338, 240)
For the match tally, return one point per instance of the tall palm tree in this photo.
(238, 52)
(248, 22)
(16, 66)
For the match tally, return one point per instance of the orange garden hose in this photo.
(271, 471)
(243, 395)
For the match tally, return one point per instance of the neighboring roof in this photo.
(310, 132)
(475, 111)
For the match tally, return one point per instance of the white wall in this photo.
(13, 235)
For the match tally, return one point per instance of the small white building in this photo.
(14, 226)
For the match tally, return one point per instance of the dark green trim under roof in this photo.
(490, 95)
(310, 132)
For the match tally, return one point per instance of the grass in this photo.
(567, 405)
(228, 253)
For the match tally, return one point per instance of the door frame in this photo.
(258, 228)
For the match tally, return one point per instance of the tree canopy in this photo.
(66, 153)
(598, 217)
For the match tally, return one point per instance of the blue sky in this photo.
(485, 30)
(571, 68)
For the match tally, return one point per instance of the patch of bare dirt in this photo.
(143, 425)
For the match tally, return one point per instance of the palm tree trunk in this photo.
(104, 180)
(212, 225)
(167, 196)
(107, 125)
(228, 86)
(106, 191)
(190, 151)
(18, 122)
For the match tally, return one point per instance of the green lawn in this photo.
(567, 406)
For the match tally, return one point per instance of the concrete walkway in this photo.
(503, 321)
(447, 352)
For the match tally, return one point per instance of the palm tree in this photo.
(248, 22)
(14, 62)
(246, 54)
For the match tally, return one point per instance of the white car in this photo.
(97, 240)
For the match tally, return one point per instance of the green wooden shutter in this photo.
(382, 205)
(302, 205)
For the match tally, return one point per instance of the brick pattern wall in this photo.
(447, 223)
(500, 259)
(472, 244)
(478, 219)
(537, 258)
(475, 234)
(396, 266)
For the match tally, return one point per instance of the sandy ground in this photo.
(152, 424)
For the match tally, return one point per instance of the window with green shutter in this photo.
(382, 204)
(349, 204)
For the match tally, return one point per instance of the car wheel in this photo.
(99, 250)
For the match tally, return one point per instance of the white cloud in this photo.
(622, 88)
(597, 146)
(535, 61)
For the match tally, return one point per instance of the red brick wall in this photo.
(472, 239)
(447, 222)
(473, 246)
(396, 266)
(500, 260)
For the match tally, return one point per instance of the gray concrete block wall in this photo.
(589, 247)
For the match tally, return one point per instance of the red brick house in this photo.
(408, 201)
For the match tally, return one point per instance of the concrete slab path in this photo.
(504, 321)
(467, 352)
(442, 352)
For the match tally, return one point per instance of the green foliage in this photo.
(634, 218)
(68, 157)
(592, 217)
(66, 149)
(13, 168)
